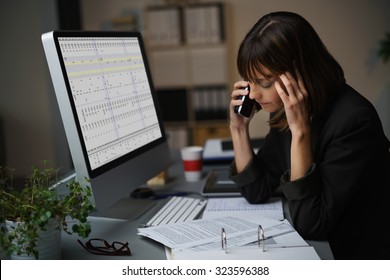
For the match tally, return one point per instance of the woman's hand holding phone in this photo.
(240, 91)
(247, 106)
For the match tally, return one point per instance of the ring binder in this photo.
(260, 237)
(285, 242)
(224, 240)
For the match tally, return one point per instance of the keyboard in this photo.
(177, 209)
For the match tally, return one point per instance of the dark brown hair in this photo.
(285, 41)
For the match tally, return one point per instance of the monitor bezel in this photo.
(93, 173)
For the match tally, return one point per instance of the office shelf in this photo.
(189, 57)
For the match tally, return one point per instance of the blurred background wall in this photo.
(30, 126)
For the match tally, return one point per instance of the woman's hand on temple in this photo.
(295, 99)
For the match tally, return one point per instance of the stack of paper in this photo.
(249, 253)
(239, 207)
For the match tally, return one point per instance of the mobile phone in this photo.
(247, 106)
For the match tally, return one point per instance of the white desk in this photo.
(144, 248)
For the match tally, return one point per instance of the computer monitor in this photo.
(110, 113)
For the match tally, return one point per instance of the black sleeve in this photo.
(337, 182)
(261, 177)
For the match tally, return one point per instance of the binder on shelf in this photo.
(210, 103)
(204, 23)
(164, 26)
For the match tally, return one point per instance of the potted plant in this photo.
(27, 213)
(384, 48)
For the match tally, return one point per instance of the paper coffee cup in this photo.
(192, 162)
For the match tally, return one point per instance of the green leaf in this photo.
(384, 48)
(36, 204)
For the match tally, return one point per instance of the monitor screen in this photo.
(109, 109)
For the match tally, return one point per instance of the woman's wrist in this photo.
(239, 134)
(301, 154)
(243, 151)
(239, 128)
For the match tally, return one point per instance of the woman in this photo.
(326, 148)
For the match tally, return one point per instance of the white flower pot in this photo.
(48, 245)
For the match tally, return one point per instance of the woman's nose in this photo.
(254, 92)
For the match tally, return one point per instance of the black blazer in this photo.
(345, 196)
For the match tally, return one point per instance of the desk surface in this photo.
(144, 248)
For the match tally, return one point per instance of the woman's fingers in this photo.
(239, 89)
(291, 84)
(282, 93)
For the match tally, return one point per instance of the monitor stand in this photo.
(126, 209)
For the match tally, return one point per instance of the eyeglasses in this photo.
(99, 246)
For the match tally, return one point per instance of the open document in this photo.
(232, 228)
(201, 239)
(199, 232)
